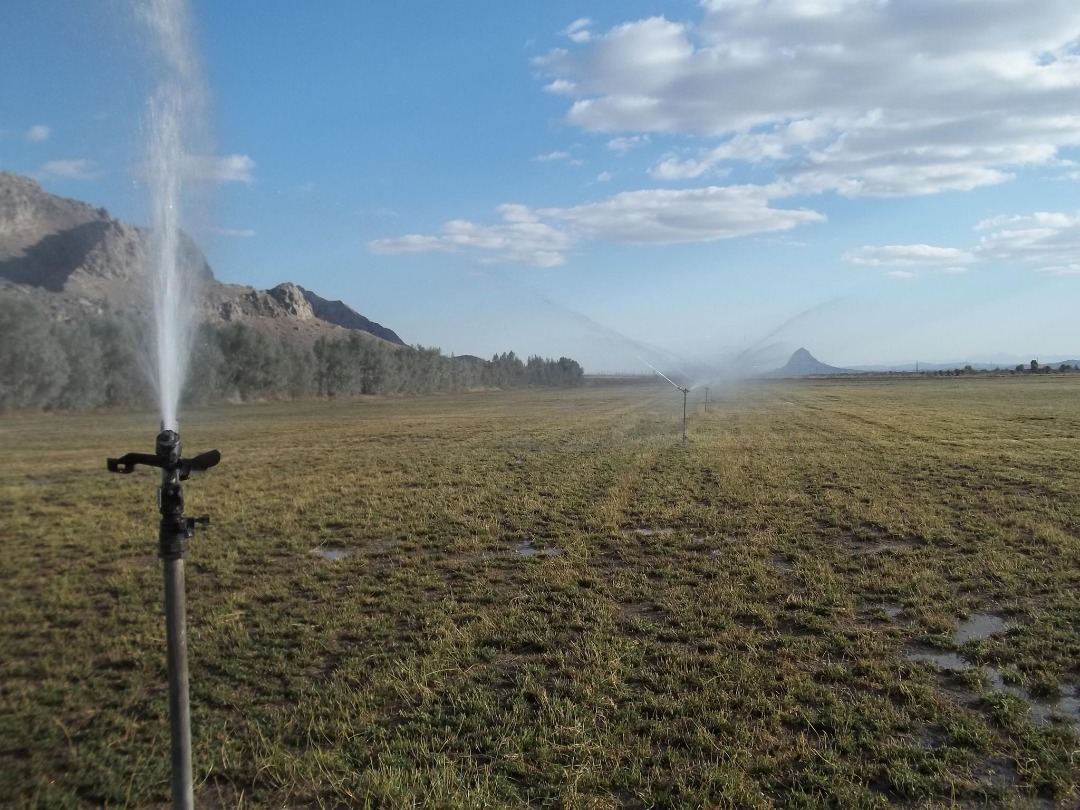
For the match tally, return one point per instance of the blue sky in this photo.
(877, 181)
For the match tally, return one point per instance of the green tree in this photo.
(33, 366)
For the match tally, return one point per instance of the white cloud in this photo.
(604, 177)
(901, 274)
(219, 169)
(892, 255)
(550, 156)
(37, 133)
(1050, 239)
(1061, 270)
(561, 87)
(223, 169)
(624, 144)
(521, 239)
(666, 216)
(578, 30)
(863, 97)
(541, 237)
(242, 233)
(1046, 238)
(70, 169)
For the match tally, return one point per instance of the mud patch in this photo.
(870, 538)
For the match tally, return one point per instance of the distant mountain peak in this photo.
(803, 364)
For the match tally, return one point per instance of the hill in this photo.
(803, 364)
(75, 261)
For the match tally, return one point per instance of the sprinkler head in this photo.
(167, 448)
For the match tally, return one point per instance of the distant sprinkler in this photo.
(685, 391)
(173, 534)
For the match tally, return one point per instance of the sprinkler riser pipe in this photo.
(174, 532)
(179, 694)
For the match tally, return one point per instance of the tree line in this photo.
(78, 365)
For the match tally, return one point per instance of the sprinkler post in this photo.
(685, 391)
(173, 534)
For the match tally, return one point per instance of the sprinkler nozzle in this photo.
(167, 448)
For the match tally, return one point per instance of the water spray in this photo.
(174, 532)
(685, 391)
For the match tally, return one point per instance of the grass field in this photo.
(849, 594)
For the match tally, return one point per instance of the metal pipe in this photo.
(685, 391)
(173, 534)
(179, 698)
(172, 545)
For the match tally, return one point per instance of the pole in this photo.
(706, 399)
(172, 541)
(173, 534)
(684, 393)
(179, 699)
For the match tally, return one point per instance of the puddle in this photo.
(942, 660)
(1042, 710)
(980, 626)
(332, 552)
(528, 550)
(893, 612)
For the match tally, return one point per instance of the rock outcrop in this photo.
(74, 259)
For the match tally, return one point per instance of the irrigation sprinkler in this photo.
(685, 391)
(173, 534)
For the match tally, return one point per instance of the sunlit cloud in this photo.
(859, 97)
(551, 156)
(222, 169)
(888, 255)
(901, 274)
(541, 237)
(624, 144)
(1050, 239)
(37, 133)
(521, 238)
(578, 30)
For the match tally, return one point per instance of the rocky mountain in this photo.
(804, 364)
(75, 260)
